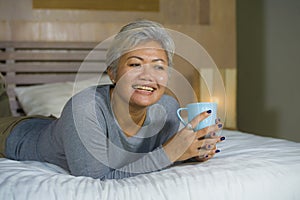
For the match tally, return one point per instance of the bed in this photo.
(248, 166)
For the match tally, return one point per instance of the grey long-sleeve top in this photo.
(87, 140)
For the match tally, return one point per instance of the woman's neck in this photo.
(129, 118)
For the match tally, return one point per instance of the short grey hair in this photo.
(136, 33)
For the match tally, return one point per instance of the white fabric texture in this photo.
(49, 99)
(248, 167)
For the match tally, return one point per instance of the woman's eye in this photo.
(134, 65)
(159, 67)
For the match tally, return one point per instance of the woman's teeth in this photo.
(142, 87)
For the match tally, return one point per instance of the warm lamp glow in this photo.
(214, 99)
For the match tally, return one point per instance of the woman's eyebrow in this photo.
(158, 60)
(154, 60)
(137, 57)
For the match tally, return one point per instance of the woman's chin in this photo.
(144, 100)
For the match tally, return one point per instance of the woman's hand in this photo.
(188, 143)
(209, 150)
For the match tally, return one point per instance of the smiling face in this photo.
(142, 75)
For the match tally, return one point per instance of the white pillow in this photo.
(49, 99)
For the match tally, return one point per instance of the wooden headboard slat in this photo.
(57, 56)
(54, 67)
(48, 45)
(33, 79)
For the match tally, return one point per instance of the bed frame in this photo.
(32, 63)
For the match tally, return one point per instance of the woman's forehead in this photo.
(151, 48)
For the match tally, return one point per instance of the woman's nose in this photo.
(146, 73)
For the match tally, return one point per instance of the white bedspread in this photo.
(248, 167)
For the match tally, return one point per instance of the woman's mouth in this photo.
(144, 88)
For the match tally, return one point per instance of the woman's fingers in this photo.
(207, 154)
(210, 129)
(202, 132)
(207, 147)
(206, 138)
(192, 124)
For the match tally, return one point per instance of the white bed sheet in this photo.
(248, 167)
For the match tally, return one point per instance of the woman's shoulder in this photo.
(169, 101)
(168, 98)
(92, 91)
(90, 103)
(89, 96)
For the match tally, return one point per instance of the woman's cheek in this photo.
(163, 80)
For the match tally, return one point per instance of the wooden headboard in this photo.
(32, 63)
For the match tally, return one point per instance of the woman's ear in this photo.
(111, 74)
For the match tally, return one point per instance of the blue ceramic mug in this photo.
(195, 109)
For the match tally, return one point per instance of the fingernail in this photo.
(218, 120)
(208, 146)
(209, 111)
(217, 151)
(206, 156)
(222, 138)
(213, 134)
(220, 125)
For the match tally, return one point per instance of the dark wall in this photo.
(268, 38)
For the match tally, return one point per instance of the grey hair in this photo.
(136, 33)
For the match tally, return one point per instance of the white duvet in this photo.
(248, 167)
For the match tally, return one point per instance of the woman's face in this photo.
(142, 75)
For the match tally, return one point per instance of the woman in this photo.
(120, 130)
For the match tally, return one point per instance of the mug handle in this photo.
(179, 116)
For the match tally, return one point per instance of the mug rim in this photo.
(197, 103)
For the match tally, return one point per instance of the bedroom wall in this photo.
(210, 22)
(269, 67)
(19, 21)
